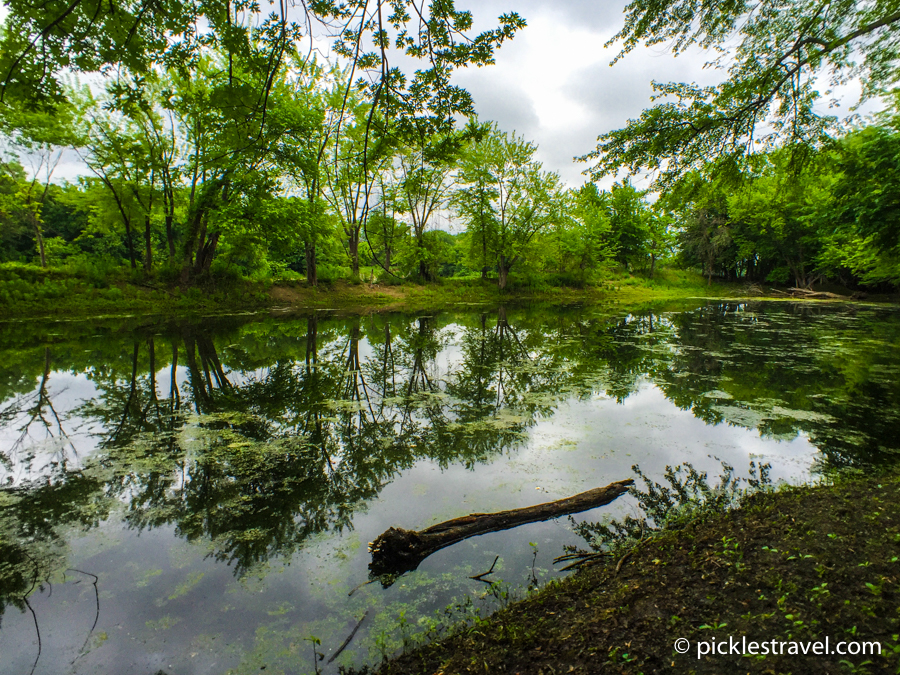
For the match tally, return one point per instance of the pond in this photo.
(197, 496)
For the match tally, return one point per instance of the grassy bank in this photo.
(450, 292)
(27, 291)
(793, 565)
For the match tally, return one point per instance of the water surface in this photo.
(197, 496)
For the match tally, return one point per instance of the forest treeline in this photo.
(190, 180)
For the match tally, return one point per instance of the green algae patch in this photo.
(795, 565)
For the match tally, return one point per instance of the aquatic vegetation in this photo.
(242, 463)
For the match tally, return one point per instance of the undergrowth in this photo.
(687, 497)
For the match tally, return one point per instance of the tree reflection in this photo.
(255, 436)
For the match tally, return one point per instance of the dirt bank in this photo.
(795, 565)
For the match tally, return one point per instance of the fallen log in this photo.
(806, 294)
(814, 295)
(397, 550)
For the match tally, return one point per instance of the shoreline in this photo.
(794, 565)
(139, 301)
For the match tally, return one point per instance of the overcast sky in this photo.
(554, 85)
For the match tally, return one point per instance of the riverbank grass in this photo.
(793, 565)
(28, 291)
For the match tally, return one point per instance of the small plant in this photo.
(317, 655)
(819, 592)
(687, 497)
(533, 581)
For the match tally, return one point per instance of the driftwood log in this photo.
(807, 294)
(397, 550)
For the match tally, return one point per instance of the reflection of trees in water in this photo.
(256, 437)
(36, 422)
(32, 551)
(789, 370)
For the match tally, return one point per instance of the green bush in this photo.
(329, 273)
(566, 279)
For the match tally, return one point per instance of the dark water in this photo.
(197, 497)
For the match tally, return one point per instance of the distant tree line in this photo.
(233, 152)
(187, 181)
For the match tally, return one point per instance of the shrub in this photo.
(687, 497)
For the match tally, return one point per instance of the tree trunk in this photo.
(312, 272)
(206, 253)
(129, 238)
(484, 267)
(652, 264)
(148, 245)
(196, 226)
(353, 245)
(424, 274)
(504, 272)
(170, 237)
(397, 550)
(39, 238)
(169, 208)
(196, 235)
(387, 258)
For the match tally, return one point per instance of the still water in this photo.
(197, 497)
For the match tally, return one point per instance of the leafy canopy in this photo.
(773, 52)
(42, 39)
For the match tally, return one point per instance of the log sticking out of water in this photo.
(807, 294)
(398, 550)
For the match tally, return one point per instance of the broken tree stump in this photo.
(397, 550)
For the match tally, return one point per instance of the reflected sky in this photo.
(197, 497)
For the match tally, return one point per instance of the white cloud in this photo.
(553, 82)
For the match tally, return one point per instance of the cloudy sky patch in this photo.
(554, 85)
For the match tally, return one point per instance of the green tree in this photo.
(303, 157)
(775, 212)
(774, 51)
(473, 198)
(385, 229)
(584, 240)
(43, 137)
(522, 198)
(426, 164)
(359, 151)
(116, 152)
(15, 232)
(41, 41)
(864, 212)
(660, 236)
(628, 219)
(705, 239)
